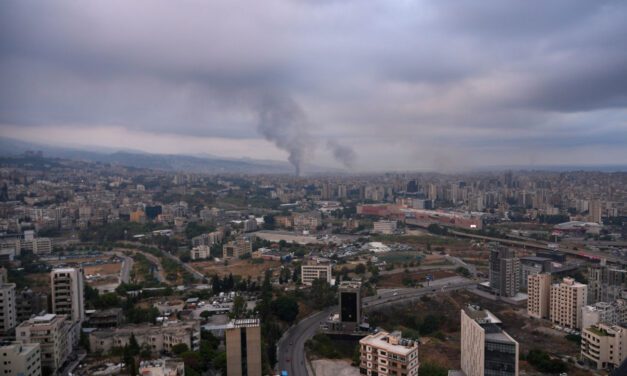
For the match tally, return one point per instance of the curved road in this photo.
(291, 347)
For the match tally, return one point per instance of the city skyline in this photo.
(358, 86)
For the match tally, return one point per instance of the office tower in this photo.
(20, 359)
(539, 295)
(504, 271)
(51, 332)
(342, 192)
(386, 353)
(595, 211)
(326, 191)
(8, 311)
(243, 348)
(350, 304)
(605, 283)
(604, 346)
(309, 273)
(567, 299)
(486, 349)
(412, 186)
(68, 293)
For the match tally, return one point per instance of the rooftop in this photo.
(243, 323)
(391, 342)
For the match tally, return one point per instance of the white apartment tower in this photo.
(539, 295)
(68, 293)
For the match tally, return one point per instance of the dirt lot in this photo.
(396, 280)
(242, 268)
(444, 350)
(104, 269)
(328, 367)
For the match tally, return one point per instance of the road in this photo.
(291, 348)
(198, 275)
(127, 266)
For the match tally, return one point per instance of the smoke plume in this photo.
(342, 153)
(282, 121)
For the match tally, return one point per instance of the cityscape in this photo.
(313, 188)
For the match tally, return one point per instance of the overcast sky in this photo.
(369, 85)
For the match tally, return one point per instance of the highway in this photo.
(291, 347)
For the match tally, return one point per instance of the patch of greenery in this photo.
(544, 363)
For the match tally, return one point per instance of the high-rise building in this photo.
(243, 348)
(605, 283)
(350, 304)
(539, 295)
(533, 265)
(19, 359)
(8, 311)
(612, 313)
(504, 271)
(567, 299)
(68, 293)
(51, 332)
(29, 303)
(386, 353)
(486, 349)
(595, 211)
(309, 273)
(604, 346)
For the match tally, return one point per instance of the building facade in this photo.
(504, 271)
(486, 349)
(68, 293)
(52, 333)
(19, 359)
(539, 295)
(604, 346)
(309, 273)
(237, 248)
(567, 299)
(8, 309)
(386, 353)
(243, 348)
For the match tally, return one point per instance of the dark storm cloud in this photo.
(300, 73)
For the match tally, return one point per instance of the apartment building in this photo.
(67, 286)
(567, 299)
(486, 349)
(612, 313)
(604, 346)
(19, 359)
(386, 353)
(243, 348)
(504, 271)
(237, 248)
(200, 252)
(162, 367)
(539, 295)
(157, 338)
(309, 273)
(52, 333)
(8, 310)
(29, 303)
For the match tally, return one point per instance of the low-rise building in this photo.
(604, 346)
(237, 248)
(386, 353)
(18, 359)
(107, 318)
(157, 338)
(162, 367)
(384, 227)
(309, 273)
(200, 252)
(52, 332)
(612, 313)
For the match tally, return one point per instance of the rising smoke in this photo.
(282, 121)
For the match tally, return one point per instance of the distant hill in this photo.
(166, 162)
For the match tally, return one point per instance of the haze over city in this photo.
(356, 85)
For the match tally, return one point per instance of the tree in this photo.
(430, 369)
(360, 269)
(430, 324)
(219, 362)
(239, 307)
(285, 308)
(321, 293)
(179, 348)
(192, 360)
(133, 345)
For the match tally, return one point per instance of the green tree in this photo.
(285, 308)
(360, 269)
(219, 362)
(321, 293)
(133, 345)
(179, 348)
(430, 369)
(239, 307)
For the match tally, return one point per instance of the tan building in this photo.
(243, 348)
(384, 227)
(51, 332)
(157, 338)
(8, 310)
(200, 252)
(386, 353)
(19, 359)
(237, 248)
(309, 273)
(567, 299)
(486, 349)
(539, 295)
(604, 346)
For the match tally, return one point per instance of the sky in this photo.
(363, 85)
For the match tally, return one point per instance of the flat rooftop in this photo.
(390, 342)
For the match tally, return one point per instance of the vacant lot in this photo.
(244, 268)
(397, 279)
(103, 269)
